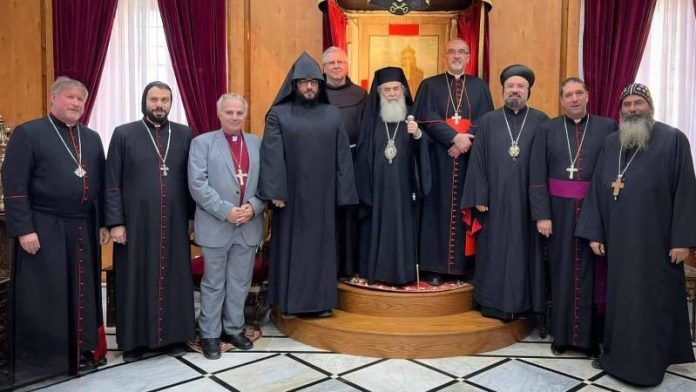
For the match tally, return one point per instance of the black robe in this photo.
(154, 288)
(55, 306)
(571, 261)
(647, 321)
(388, 195)
(351, 100)
(509, 270)
(305, 161)
(442, 244)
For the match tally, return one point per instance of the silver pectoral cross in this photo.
(164, 169)
(456, 118)
(571, 170)
(240, 176)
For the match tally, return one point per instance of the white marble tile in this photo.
(580, 368)
(278, 373)
(201, 385)
(397, 375)
(461, 366)
(685, 369)
(113, 358)
(514, 376)
(226, 361)
(534, 337)
(329, 385)
(669, 383)
(269, 329)
(592, 388)
(143, 375)
(335, 363)
(530, 350)
(282, 344)
(461, 387)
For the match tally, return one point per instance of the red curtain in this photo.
(81, 32)
(334, 26)
(615, 35)
(469, 26)
(196, 40)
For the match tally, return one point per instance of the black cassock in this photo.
(388, 194)
(509, 272)
(350, 99)
(55, 307)
(647, 321)
(571, 261)
(442, 244)
(154, 288)
(305, 160)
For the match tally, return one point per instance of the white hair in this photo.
(238, 97)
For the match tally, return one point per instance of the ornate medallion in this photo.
(390, 151)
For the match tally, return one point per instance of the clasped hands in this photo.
(240, 215)
(461, 144)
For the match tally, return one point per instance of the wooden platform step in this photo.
(405, 337)
(370, 302)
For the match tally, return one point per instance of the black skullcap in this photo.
(639, 90)
(518, 70)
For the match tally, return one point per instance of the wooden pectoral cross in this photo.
(456, 118)
(240, 176)
(617, 185)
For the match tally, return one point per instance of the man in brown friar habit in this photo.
(446, 106)
(148, 208)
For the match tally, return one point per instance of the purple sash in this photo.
(568, 189)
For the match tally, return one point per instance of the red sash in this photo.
(462, 126)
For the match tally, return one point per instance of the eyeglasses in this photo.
(461, 52)
(307, 82)
(335, 62)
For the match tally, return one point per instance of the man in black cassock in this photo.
(350, 99)
(639, 213)
(392, 173)
(148, 208)
(53, 180)
(509, 271)
(563, 158)
(447, 104)
(306, 171)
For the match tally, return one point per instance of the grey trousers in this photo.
(224, 287)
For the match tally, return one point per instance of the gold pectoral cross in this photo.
(617, 185)
(240, 176)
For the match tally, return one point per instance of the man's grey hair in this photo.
(332, 50)
(238, 97)
(63, 82)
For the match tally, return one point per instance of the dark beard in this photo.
(299, 97)
(514, 103)
(156, 120)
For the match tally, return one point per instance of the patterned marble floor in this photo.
(278, 363)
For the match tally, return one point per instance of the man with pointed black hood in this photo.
(148, 208)
(392, 173)
(306, 172)
(350, 99)
(509, 274)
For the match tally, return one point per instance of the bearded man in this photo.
(640, 213)
(392, 173)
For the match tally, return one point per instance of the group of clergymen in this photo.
(375, 184)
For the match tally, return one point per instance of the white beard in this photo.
(394, 111)
(634, 131)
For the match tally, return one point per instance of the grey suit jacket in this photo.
(214, 187)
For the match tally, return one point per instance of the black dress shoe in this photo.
(241, 341)
(176, 349)
(87, 364)
(596, 364)
(211, 348)
(133, 355)
(556, 349)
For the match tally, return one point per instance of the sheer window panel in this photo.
(668, 66)
(137, 55)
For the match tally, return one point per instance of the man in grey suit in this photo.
(223, 171)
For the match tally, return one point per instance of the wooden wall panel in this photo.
(280, 32)
(24, 52)
(528, 32)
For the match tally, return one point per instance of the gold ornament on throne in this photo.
(4, 139)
